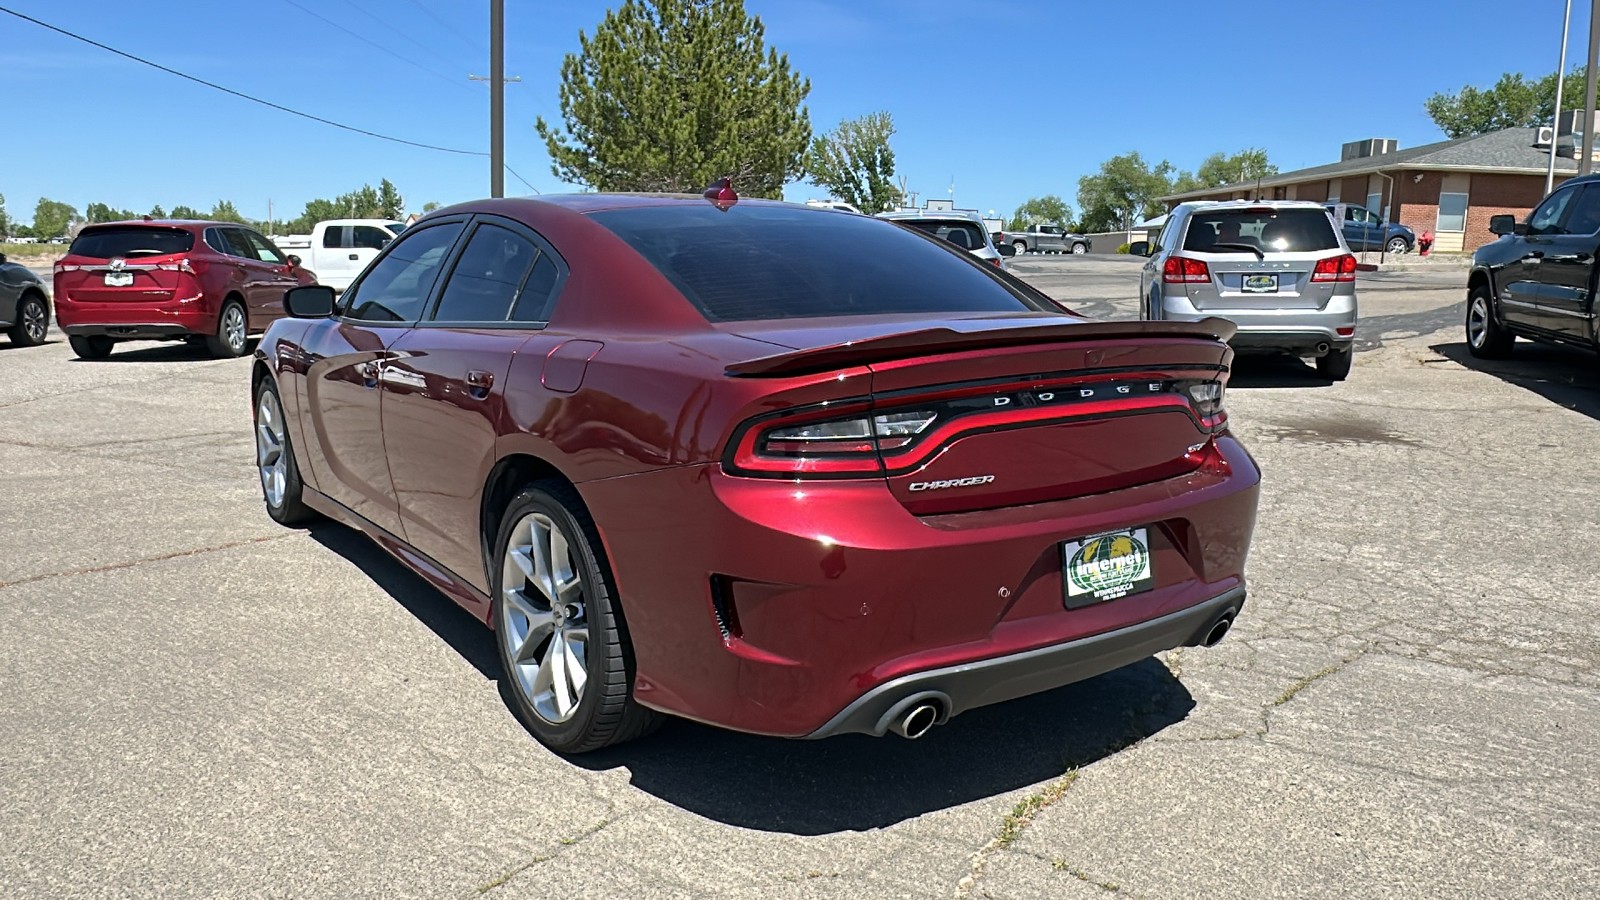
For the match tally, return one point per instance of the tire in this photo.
(1021, 247)
(281, 488)
(1335, 364)
(96, 346)
(33, 321)
(1398, 246)
(1079, 249)
(588, 627)
(232, 337)
(1486, 337)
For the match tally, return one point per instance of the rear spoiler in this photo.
(939, 340)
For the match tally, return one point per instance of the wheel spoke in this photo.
(539, 627)
(577, 673)
(522, 558)
(543, 530)
(560, 681)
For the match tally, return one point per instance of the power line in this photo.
(366, 40)
(243, 96)
(474, 43)
(369, 14)
(521, 179)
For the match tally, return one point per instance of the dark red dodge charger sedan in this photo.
(784, 470)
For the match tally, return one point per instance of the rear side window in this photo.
(966, 235)
(760, 261)
(1268, 230)
(130, 242)
(487, 277)
(333, 237)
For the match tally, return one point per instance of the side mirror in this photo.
(1503, 224)
(2, 259)
(309, 301)
(294, 261)
(1139, 248)
(1004, 248)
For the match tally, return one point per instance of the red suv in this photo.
(215, 282)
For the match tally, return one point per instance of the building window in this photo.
(1452, 212)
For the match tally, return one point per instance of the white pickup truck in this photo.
(339, 249)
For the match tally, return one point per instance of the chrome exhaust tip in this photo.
(1322, 348)
(1218, 631)
(916, 721)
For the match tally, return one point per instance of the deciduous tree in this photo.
(855, 163)
(1122, 192)
(186, 212)
(1513, 102)
(1047, 210)
(52, 217)
(390, 204)
(669, 95)
(1224, 168)
(224, 211)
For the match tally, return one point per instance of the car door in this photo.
(1526, 279)
(270, 275)
(234, 252)
(1566, 294)
(444, 387)
(345, 355)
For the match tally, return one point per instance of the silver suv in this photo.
(1278, 269)
(965, 231)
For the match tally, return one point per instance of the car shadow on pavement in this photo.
(856, 782)
(161, 351)
(454, 625)
(1274, 370)
(1568, 376)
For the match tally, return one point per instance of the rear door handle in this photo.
(354, 256)
(479, 382)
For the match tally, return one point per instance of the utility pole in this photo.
(1585, 162)
(1561, 76)
(497, 97)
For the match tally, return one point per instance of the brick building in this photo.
(1450, 188)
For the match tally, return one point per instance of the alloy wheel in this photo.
(1477, 321)
(1397, 246)
(233, 328)
(270, 458)
(35, 321)
(545, 625)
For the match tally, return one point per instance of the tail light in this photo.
(1180, 270)
(996, 262)
(853, 440)
(1335, 269)
(182, 265)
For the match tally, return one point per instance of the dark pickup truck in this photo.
(1538, 280)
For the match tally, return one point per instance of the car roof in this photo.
(1252, 204)
(163, 223)
(940, 215)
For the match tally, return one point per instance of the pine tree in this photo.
(670, 95)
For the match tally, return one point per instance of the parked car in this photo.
(1366, 231)
(963, 231)
(1277, 269)
(1046, 239)
(776, 469)
(207, 282)
(338, 249)
(24, 305)
(834, 204)
(1538, 280)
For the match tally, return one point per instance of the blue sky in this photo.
(1006, 98)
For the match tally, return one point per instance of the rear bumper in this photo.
(136, 319)
(956, 689)
(1300, 331)
(767, 607)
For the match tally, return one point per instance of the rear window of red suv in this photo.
(131, 241)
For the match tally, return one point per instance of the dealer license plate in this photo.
(1261, 284)
(119, 279)
(1106, 566)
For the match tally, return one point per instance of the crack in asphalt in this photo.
(562, 844)
(132, 563)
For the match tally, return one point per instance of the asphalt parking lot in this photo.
(202, 703)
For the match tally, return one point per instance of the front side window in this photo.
(333, 237)
(370, 238)
(398, 285)
(1585, 218)
(1547, 218)
(487, 277)
(261, 248)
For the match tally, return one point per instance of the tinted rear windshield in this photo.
(132, 241)
(773, 262)
(966, 235)
(1267, 230)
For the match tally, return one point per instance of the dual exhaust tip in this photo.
(917, 718)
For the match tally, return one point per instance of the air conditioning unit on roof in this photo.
(1545, 137)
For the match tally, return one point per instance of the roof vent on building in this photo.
(1368, 147)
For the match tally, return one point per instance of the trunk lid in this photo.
(1279, 281)
(999, 411)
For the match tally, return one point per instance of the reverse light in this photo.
(1335, 269)
(1207, 398)
(848, 436)
(1181, 270)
